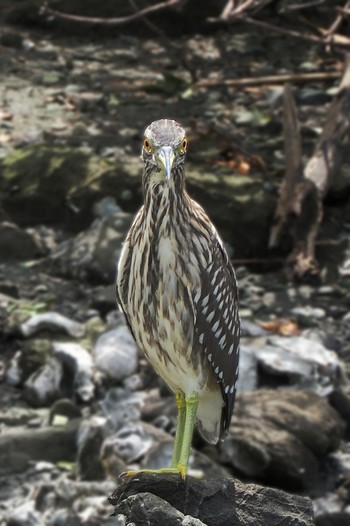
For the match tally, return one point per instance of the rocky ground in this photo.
(79, 404)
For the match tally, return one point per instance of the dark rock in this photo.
(44, 385)
(281, 436)
(16, 244)
(340, 400)
(103, 299)
(19, 447)
(146, 508)
(91, 435)
(215, 502)
(9, 289)
(11, 39)
(334, 519)
(63, 408)
(92, 254)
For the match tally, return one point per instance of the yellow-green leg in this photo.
(180, 424)
(190, 420)
(186, 418)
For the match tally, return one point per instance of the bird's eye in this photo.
(184, 146)
(147, 146)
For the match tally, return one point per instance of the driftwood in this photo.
(299, 210)
(166, 499)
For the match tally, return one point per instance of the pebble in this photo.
(308, 315)
(116, 354)
(79, 362)
(25, 515)
(52, 321)
(43, 386)
(269, 299)
(251, 329)
(130, 443)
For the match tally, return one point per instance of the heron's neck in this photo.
(165, 202)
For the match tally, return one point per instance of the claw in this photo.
(182, 470)
(130, 473)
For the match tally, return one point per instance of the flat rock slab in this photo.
(20, 447)
(166, 499)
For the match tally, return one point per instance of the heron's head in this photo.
(164, 148)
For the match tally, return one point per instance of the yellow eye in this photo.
(184, 146)
(147, 146)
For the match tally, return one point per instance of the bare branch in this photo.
(346, 12)
(45, 10)
(298, 7)
(341, 41)
(272, 79)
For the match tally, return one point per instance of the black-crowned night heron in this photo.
(178, 291)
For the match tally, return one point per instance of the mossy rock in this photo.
(53, 186)
(239, 206)
(59, 186)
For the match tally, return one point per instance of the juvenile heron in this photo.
(179, 294)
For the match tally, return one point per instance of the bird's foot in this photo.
(179, 469)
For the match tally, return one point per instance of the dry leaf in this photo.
(282, 327)
(6, 115)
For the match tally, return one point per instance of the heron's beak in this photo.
(166, 156)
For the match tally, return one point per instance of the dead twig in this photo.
(271, 79)
(45, 10)
(338, 40)
(339, 19)
(299, 7)
(231, 10)
(345, 12)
